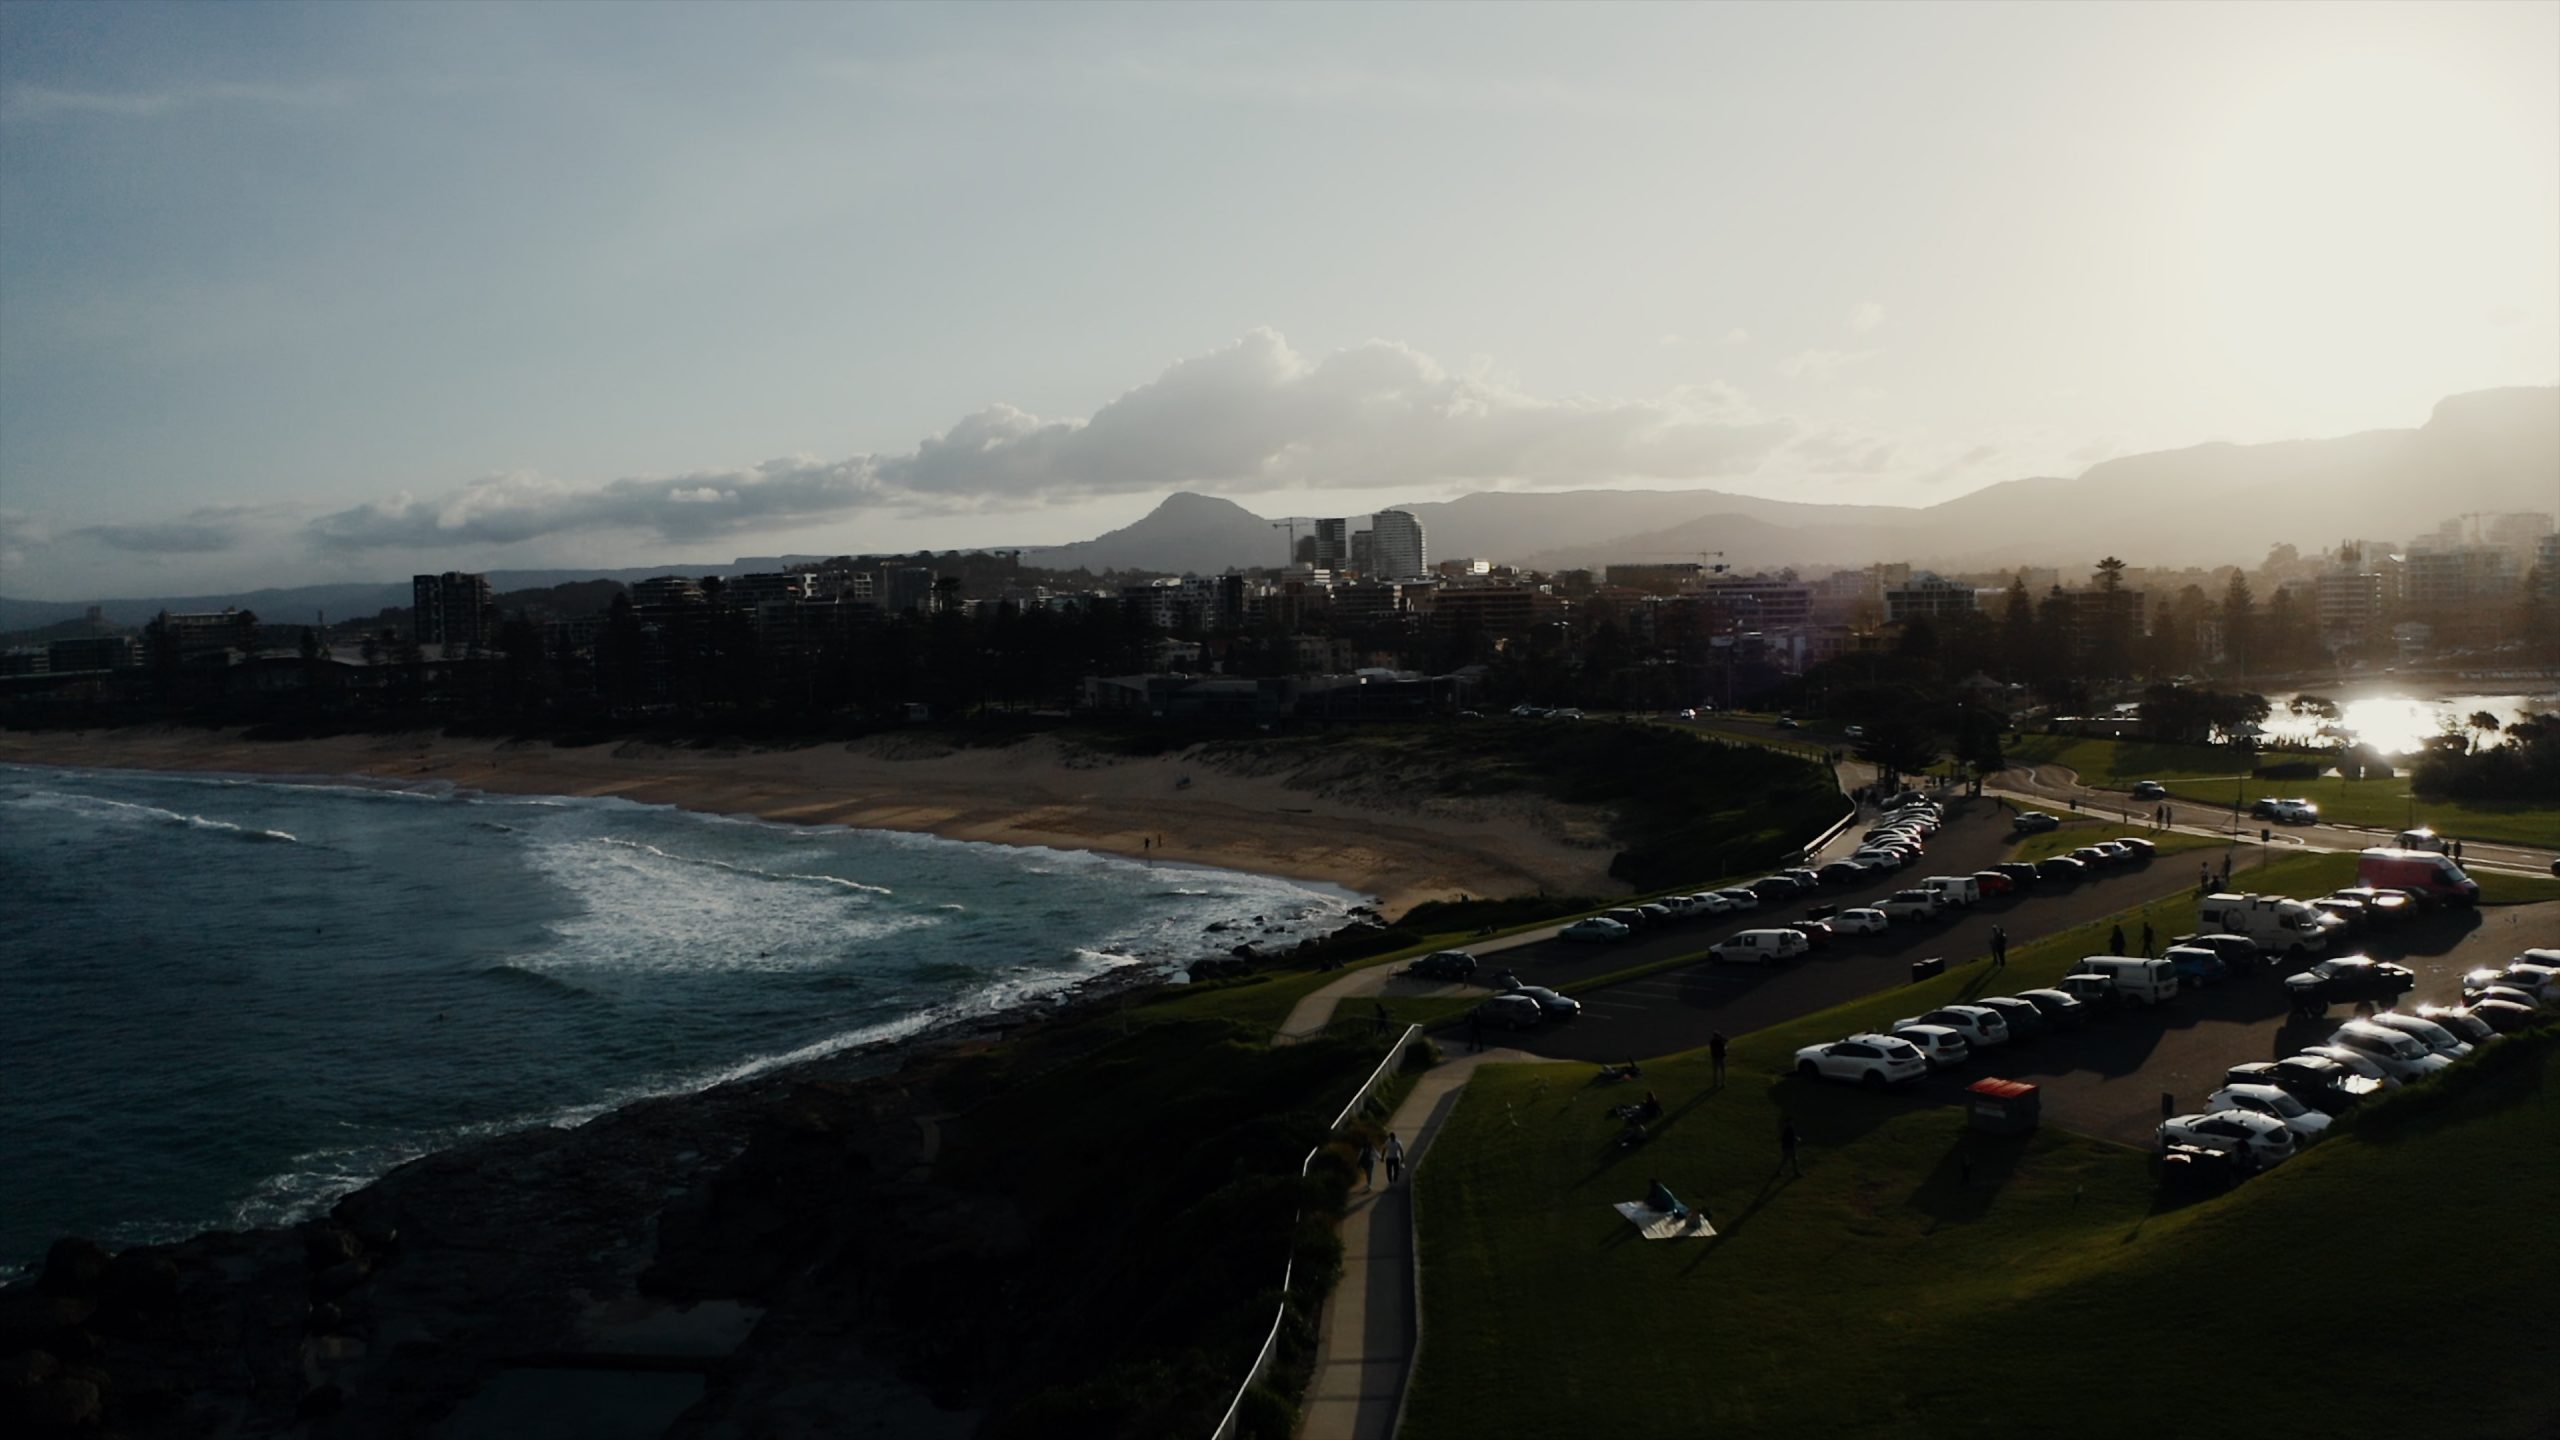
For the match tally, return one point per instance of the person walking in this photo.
(1368, 1165)
(2204, 878)
(2168, 1111)
(2146, 940)
(1999, 948)
(1787, 1147)
(2115, 941)
(1395, 1157)
(1715, 1051)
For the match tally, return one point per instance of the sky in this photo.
(300, 294)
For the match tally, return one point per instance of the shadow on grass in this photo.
(1961, 1186)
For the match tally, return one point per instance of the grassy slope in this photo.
(2208, 775)
(1881, 1292)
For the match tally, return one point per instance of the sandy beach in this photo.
(1381, 837)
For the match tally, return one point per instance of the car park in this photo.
(2464, 1024)
(2021, 873)
(2402, 1057)
(2195, 964)
(2062, 1011)
(1760, 947)
(1943, 1047)
(2035, 822)
(1905, 905)
(1981, 1028)
(2351, 977)
(2355, 1061)
(1992, 882)
(2061, 867)
(2257, 1140)
(1444, 965)
(2025, 1021)
(1556, 1006)
(2304, 1121)
(2435, 1037)
(1872, 1060)
(1597, 928)
(1864, 920)
(1515, 1012)
(1742, 899)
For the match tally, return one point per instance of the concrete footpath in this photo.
(1371, 1329)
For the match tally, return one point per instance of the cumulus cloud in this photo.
(1255, 415)
(171, 538)
(1737, 336)
(1866, 315)
(1821, 365)
(19, 531)
(1841, 451)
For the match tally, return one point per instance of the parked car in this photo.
(1774, 887)
(2402, 1057)
(2136, 848)
(2093, 857)
(1742, 899)
(1711, 903)
(2305, 1122)
(2351, 977)
(1944, 1047)
(1655, 912)
(2138, 979)
(1511, 1012)
(2063, 1012)
(2035, 822)
(1992, 882)
(2196, 1170)
(1912, 905)
(1841, 872)
(2022, 873)
(2538, 982)
(2350, 910)
(2503, 1015)
(2322, 1084)
(2061, 867)
(2117, 852)
(1817, 933)
(2435, 1037)
(2025, 1021)
(1760, 947)
(2195, 964)
(1596, 928)
(2239, 953)
(1864, 920)
(2355, 1061)
(1444, 965)
(2381, 907)
(1627, 915)
(2256, 1140)
(2459, 1019)
(2150, 790)
(1871, 1060)
(2096, 993)
(1556, 1007)
(1805, 879)
(1980, 1026)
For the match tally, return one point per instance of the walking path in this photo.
(1371, 1330)
(1314, 1010)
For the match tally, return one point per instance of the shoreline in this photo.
(1393, 850)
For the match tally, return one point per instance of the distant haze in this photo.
(307, 294)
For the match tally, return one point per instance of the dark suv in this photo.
(1445, 965)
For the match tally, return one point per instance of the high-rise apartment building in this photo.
(1396, 550)
(452, 609)
(1333, 544)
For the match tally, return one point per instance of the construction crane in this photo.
(1290, 525)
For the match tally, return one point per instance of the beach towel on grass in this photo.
(1655, 1224)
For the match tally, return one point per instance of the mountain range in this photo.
(2216, 504)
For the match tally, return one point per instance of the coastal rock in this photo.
(74, 1266)
(31, 1319)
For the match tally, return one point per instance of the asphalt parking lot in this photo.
(1678, 1009)
(2107, 1080)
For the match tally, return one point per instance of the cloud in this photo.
(1843, 452)
(1737, 336)
(41, 102)
(1866, 315)
(19, 532)
(1821, 365)
(171, 538)
(1253, 416)
(1670, 339)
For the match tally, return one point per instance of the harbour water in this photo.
(226, 1001)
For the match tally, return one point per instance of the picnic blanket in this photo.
(1655, 1224)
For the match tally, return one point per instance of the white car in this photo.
(1912, 905)
(1760, 947)
(2305, 1122)
(1711, 903)
(1980, 1027)
(1864, 920)
(1942, 1046)
(2402, 1057)
(2356, 1061)
(2430, 1034)
(2294, 812)
(1598, 927)
(1871, 1060)
(1742, 899)
(1874, 861)
(2258, 1140)
(2537, 981)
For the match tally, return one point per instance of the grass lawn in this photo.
(1924, 1280)
(2076, 833)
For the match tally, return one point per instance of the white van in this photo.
(2139, 981)
(1956, 889)
(1760, 947)
(2276, 924)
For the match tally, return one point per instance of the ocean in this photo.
(227, 1001)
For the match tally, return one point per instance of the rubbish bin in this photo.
(1923, 969)
(2003, 1107)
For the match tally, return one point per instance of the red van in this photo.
(2420, 872)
